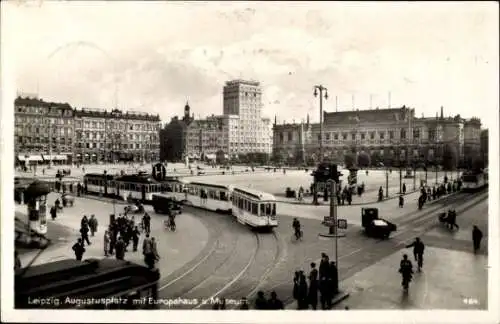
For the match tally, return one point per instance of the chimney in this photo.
(307, 119)
(275, 120)
(442, 112)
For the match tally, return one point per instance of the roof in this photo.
(99, 175)
(366, 116)
(115, 113)
(136, 178)
(213, 185)
(36, 102)
(259, 195)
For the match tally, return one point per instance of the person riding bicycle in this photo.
(406, 270)
(296, 227)
(171, 219)
(418, 252)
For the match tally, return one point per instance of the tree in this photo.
(450, 157)
(363, 159)
(349, 160)
(220, 157)
(376, 158)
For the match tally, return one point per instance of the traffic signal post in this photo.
(332, 177)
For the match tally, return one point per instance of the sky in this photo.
(154, 56)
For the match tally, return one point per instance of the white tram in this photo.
(213, 197)
(175, 188)
(472, 181)
(136, 187)
(254, 208)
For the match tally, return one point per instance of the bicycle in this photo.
(169, 225)
(298, 235)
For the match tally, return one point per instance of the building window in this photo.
(335, 136)
(362, 136)
(353, 136)
(344, 136)
(403, 134)
(372, 135)
(416, 133)
(391, 135)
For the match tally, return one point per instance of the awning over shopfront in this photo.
(86, 154)
(37, 158)
(58, 157)
(210, 156)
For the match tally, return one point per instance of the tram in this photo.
(208, 196)
(474, 180)
(99, 183)
(91, 284)
(174, 187)
(136, 187)
(254, 208)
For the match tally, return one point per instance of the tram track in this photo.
(374, 250)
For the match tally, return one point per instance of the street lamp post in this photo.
(321, 89)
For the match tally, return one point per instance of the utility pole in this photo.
(321, 89)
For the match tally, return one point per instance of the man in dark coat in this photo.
(418, 252)
(120, 249)
(274, 303)
(313, 287)
(477, 236)
(84, 231)
(333, 280)
(260, 302)
(324, 289)
(302, 300)
(79, 249)
(135, 238)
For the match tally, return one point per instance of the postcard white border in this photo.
(352, 316)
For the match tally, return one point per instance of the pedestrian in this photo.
(79, 249)
(85, 221)
(84, 231)
(295, 293)
(324, 288)
(135, 238)
(404, 188)
(53, 212)
(106, 243)
(418, 252)
(120, 249)
(274, 303)
(333, 279)
(477, 236)
(244, 304)
(146, 222)
(303, 304)
(260, 301)
(93, 224)
(313, 287)
(147, 251)
(17, 261)
(401, 201)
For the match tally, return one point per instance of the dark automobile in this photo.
(164, 204)
(375, 226)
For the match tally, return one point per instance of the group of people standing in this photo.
(121, 231)
(322, 283)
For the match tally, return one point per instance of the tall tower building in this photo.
(244, 99)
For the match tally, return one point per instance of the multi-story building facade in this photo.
(252, 133)
(110, 136)
(43, 131)
(47, 130)
(391, 134)
(240, 130)
(484, 146)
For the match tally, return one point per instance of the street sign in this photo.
(328, 221)
(342, 223)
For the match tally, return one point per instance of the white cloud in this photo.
(159, 54)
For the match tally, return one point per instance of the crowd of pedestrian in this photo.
(121, 232)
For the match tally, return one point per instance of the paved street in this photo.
(211, 255)
(175, 249)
